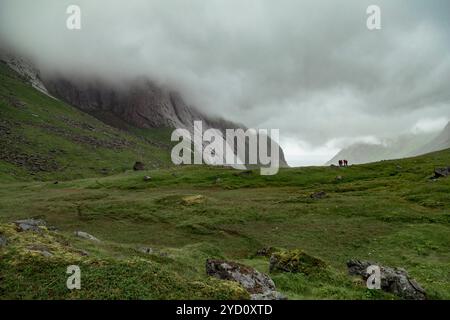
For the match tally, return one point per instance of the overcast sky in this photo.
(310, 68)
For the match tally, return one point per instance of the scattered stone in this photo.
(266, 251)
(41, 249)
(393, 280)
(146, 250)
(218, 180)
(441, 172)
(318, 195)
(270, 295)
(30, 224)
(147, 178)
(85, 235)
(191, 200)
(256, 283)
(339, 178)
(138, 166)
(295, 261)
(3, 241)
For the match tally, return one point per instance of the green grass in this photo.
(389, 212)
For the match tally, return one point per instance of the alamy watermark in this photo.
(237, 148)
(74, 280)
(373, 21)
(374, 280)
(73, 22)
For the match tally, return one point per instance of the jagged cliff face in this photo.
(139, 103)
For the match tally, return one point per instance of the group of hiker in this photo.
(343, 163)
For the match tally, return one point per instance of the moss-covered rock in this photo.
(295, 261)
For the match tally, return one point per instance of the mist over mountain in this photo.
(142, 104)
(403, 146)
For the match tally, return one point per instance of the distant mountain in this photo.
(403, 146)
(440, 142)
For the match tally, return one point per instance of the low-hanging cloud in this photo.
(310, 68)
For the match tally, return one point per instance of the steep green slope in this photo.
(390, 212)
(44, 138)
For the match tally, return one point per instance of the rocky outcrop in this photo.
(259, 285)
(29, 224)
(26, 70)
(393, 280)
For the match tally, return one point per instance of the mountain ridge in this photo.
(404, 146)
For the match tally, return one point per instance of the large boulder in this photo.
(29, 224)
(296, 261)
(258, 284)
(393, 280)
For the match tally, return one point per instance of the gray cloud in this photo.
(310, 68)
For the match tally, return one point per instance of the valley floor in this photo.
(390, 212)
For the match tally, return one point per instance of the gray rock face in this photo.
(85, 235)
(393, 280)
(30, 224)
(259, 285)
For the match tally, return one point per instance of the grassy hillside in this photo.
(389, 212)
(48, 139)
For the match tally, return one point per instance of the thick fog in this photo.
(310, 68)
